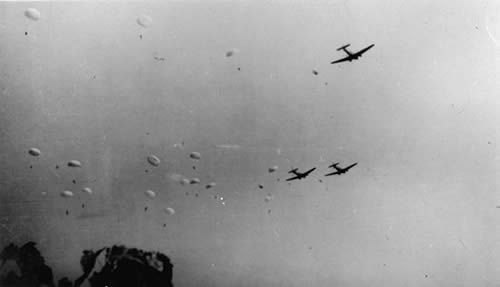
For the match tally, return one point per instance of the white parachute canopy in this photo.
(67, 193)
(273, 168)
(149, 193)
(232, 52)
(185, 181)
(268, 198)
(32, 14)
(194, 180)
(34, 151)
(195, 155)
(74, 163)
(154, 160)
(87, 190)
(145, 21)
(169, 211)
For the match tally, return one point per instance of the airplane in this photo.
(340, 170)
(299, 175)
(351, 56)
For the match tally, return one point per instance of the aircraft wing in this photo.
(351, 166)
(332, 173)
(293, 178)
(341, 60)
(365, 49)
(309, 171)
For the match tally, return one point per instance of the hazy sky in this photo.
(418, 112)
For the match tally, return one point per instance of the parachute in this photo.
(232, 52)
(273, 169)
(144, 21)
(34, 151)
(210, 185)
(67, 193)
(153, 160)
(32, 14)
(150, 193)
(74, 163)
(87, 190)
(169, 210)
(195, 155)
(194, 180)
(185, 181)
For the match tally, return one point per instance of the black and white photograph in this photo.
(250, 143)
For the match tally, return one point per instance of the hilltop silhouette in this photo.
(109, 266)
(31, 265)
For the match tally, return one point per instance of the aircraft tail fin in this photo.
(343, 47)
(334, 164)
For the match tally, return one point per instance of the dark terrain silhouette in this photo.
(116, 266)
(126, 267)
(32, 268)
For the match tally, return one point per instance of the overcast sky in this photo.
(418, 112)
